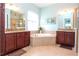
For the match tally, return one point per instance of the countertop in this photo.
(67, 30)
(16, 31)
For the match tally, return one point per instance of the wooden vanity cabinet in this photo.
(10, 42)
(2, 28)
(70, 38)
(60, 37)
(20, 39)
(65, 38)
(27, 38)
(16, 40)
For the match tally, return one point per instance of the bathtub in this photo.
(43, 35)
(43, 39)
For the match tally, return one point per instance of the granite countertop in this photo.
(67, 30)
(15, 31)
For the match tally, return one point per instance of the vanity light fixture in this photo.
(12, 7)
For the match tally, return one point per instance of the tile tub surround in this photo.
(43, 39)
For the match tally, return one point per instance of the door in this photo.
(10, 42)
(60, 37)
(20, 40)
(67, 39)
(27, 38)
(70, 38)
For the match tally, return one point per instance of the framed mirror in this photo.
(14, 21)
(17, 21)
(67, 23)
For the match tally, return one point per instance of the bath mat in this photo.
(66, 46)
(17, 53)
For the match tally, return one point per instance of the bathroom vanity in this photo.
(66, 37)
(16, 40)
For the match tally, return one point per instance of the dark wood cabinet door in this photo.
(67, 40)
(71, 38)
(60, 37)
(20, 40)
(27, 38)
(10, 42)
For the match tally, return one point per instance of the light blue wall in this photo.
(52, 11)
(45, 14)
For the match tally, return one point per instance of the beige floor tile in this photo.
(49, 51)
(44, 51)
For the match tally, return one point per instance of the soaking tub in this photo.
(43, 39)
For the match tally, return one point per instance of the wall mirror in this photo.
(17, 21)
(67, 23)
(66, 18)
(14, 20)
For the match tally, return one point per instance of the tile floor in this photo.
(43, 51)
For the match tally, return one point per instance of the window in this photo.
(33, 20)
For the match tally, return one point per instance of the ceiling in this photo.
(42, 4)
